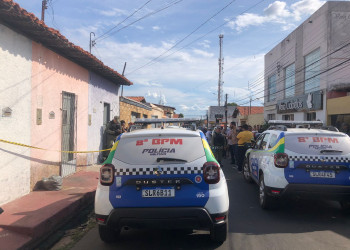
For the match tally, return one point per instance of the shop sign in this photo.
(219, 116)
(308, 102)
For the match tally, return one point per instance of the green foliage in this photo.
(181, 115)
(232, 104)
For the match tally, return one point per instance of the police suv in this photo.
(303, 162)
(163, 178)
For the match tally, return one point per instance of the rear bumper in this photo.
(167, 218)
(332, 192)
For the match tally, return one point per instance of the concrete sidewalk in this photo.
(28, 220)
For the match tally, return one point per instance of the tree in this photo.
(232, 104)
(181, 115)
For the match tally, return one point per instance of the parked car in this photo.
(164, 178)
(310, 163)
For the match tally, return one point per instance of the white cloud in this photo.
(305, 7)
(156, 28)
(203, 53)
(277, 12)
(277, 9)
(113, 12)
(205, 44)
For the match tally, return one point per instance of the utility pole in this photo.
(123, 75)
(43, 8)
(226, 109)
(250, 100)
(221, 66)
(92, 42)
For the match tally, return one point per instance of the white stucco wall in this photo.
(100, 91)
(15, 93)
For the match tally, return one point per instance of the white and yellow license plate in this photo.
(158, 192)
(322, 174)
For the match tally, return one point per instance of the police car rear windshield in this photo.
(318, 144)
(150, 150)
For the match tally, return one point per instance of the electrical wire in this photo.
(184, 38)
(229, 20)
(108, 31)
(143, 17)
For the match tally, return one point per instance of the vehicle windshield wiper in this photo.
(169, 159)
(330, 151)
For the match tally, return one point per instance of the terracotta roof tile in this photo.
(244, 110)
(137, 98)
(29, 25)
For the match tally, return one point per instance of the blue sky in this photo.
(171, 54)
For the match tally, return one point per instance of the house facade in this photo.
(52, 99)
(306, 75)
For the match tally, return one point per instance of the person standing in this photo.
(124, 129)
(232, 141)
(218, 143)
(245, 137)
(113, 129)
(208, 135)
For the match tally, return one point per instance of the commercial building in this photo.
(307, 74)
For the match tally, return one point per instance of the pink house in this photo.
(44, 99)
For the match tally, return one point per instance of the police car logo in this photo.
(322, 159)
(198, 179)
(158, 171)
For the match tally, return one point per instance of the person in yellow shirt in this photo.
(243, 137)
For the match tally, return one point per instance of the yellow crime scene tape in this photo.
(70, 152)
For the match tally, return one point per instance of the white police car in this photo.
(300, 162)
(163, 178)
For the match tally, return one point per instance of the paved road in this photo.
(294, 225)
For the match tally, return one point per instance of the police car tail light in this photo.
(107, 174)
(281, 160)
(211, 172)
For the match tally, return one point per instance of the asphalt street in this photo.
(296, 224)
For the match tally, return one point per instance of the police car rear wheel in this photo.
(107, 234)
(266, 201)
(345, 205)
(246, 173)
(219, 233)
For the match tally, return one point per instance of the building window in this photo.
(311, 116)
(288, 117)
(135, 115)
(272, 88)
(271, 117)
(289, 81)
(145, 116)
(312, 71)
(154, 116)
(106, 113)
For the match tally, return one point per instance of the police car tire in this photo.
(107, 234)
(266, 201)
(246, 173)
(219, 233)
(345, 205)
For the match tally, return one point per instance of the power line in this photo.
(181, 40)
(143, 17)
(229, 20)
(108, 31)
(326, 70)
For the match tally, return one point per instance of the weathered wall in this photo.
(53, 74)
(100, 91)
(126, 109)
(15, 89)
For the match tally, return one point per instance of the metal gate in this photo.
(69, 116)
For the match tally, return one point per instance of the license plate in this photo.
(322, 174)
(157, 192)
